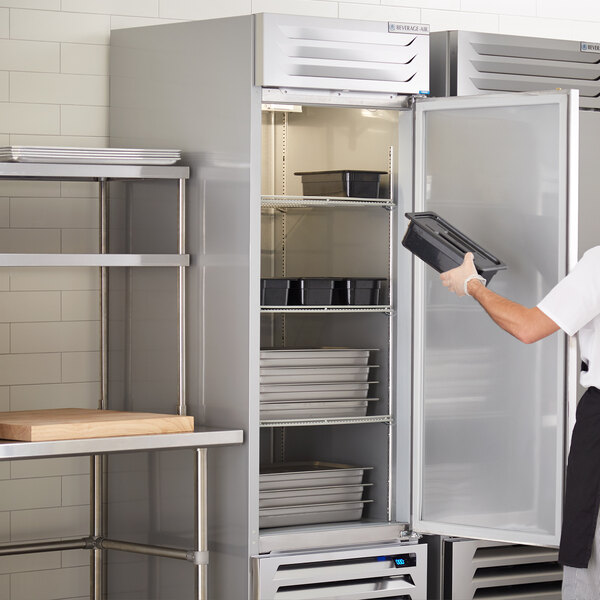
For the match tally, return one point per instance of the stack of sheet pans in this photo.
(314, 383)
(310, 492)
(76, 155)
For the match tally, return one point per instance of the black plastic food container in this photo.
(443, 247)
(311, 291)
(349, 184)
(274, 291)
(357, 291)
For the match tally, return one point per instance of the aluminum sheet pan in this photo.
(314, 410)
(81, 155)
(278, 392)
(314, 357)
(312, 495)
(315, 374)
(306, 514)
(309, 474)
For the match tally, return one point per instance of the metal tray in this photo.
(317, 357)
(306, 514)
(315, 374)
(278, 392)
(312, 495)
(81, 155)
(315, 410)
(293, 475)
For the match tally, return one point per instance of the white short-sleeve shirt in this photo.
(574, 305)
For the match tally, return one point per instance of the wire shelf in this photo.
(325, 421)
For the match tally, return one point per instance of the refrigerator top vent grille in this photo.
(502, 63)
(339, 54)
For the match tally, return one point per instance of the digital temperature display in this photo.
(404, 560)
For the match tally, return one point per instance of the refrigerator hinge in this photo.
(410, 537)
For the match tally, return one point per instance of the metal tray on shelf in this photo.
(305, 514)
(314, 357)
(80, 155)
(278, 392)
(312, 495)
(320, 374)
(309, 474)
(315, 410)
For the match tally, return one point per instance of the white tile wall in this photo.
(4, 20)
(315, 8)
(30, 118)
(553, 28)
(85, 59)
(72, 212)
(4, 338)
(51, 26)
(573, 10)
(54, 91)
(84, 120)
(49, 523)
(29, 368)
(50, 467)
(80, 306)
(80, 367)
(191, 9)
(137, 8)
(50, 585)
(30, 562)
(30, 306)
(440, 20)
(58, 88)
(4, 88)
(505, 7)
(75, 490)
(76, 336)
(21, 494)
(376, 12)
(18, 55)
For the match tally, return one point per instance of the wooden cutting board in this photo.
(81, 423)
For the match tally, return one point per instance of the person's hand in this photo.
(454, 279)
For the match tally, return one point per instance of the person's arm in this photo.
(526, 324)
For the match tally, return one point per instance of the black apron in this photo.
(582, 497)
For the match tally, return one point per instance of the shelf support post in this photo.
(98, 462)
(181, 409)
(201, 523)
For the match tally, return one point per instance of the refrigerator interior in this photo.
(353, 240)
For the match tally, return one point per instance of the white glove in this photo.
(456, 279)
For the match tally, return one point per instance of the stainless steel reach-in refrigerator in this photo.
(456, 429)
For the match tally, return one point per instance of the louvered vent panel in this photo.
(503, 63)
(389, 571)
(478, 570)
(339, 54)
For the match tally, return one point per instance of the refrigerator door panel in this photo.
(490, 412)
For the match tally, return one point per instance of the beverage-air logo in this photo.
(589, 47)
(414, 28)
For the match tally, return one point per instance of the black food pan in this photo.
(443, 247)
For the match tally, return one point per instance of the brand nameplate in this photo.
(588, 47)
(414, 28)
